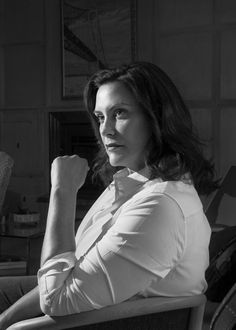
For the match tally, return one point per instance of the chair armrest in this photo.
(125, 309)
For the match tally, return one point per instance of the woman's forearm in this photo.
(68, 174)
(59, 235)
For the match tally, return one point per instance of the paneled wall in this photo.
(194, 41)
(22, 97)
(30, 76)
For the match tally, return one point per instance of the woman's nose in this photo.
(107, 127)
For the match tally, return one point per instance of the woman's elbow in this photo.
(53, 306)
(46, 308)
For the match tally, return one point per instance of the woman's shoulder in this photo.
(176, 192)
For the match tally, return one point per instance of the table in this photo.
(27, 233)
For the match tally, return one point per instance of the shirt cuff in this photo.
(52, 275)
(61, 260)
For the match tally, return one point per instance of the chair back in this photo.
(221, 273)
(220, 213)
(221, 209)
(155, 313)
(224, 317)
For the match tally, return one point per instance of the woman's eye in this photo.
(100, 118)
(120, 113)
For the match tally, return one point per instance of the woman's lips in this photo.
(113, 146)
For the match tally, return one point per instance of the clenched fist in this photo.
(69, 172)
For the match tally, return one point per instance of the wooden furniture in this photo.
(6, 164)
(156, 313)
(32, 238)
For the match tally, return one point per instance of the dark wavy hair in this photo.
(175, 148)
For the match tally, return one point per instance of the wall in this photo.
(30, 76)
(194, 41)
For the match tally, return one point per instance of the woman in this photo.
(146, 234)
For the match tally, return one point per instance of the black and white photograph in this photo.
(118, 164)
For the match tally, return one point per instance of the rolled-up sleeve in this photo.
(139, 248)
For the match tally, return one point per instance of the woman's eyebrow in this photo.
(115, 106)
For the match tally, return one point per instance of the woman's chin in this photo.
(116, 162)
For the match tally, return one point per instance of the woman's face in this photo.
(124, 129)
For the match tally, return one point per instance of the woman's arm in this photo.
(124, 262)
(68, 174)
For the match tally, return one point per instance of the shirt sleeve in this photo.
(145, 243)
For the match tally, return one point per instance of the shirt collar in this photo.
(127, 181)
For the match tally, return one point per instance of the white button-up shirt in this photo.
(140, 238)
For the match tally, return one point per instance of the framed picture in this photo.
(95, 35)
